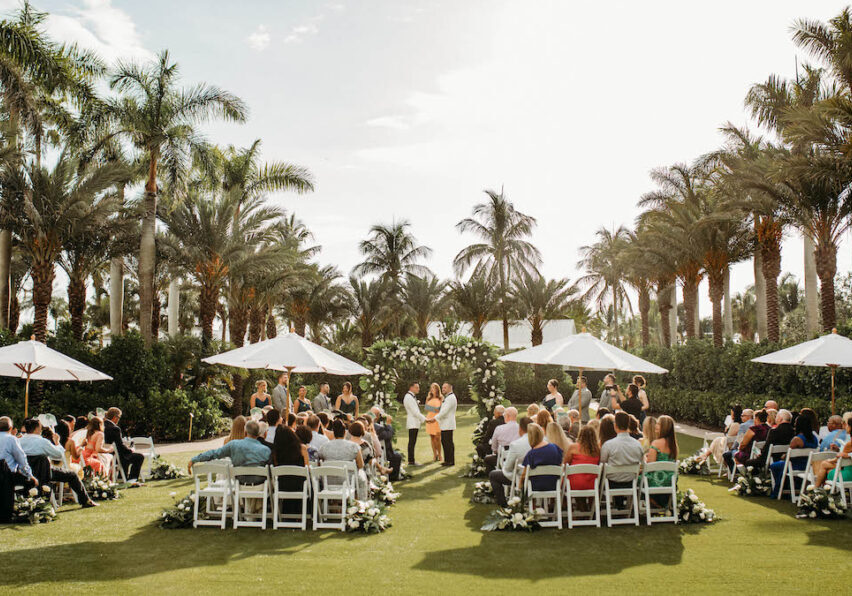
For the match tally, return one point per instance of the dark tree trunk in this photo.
(156, 306)
(300, 325)
(664, 305)
(769, 236)
(644, 311)
(826, 264)
(42, 275)
(690, 284)
(14, 312)
(148, 255)
(536, 335)
(716, 281)
(238, 325)
(208, 299)
(271, 326)
(256, 321)
(77, 305)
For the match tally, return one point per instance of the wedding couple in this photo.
(440, 420)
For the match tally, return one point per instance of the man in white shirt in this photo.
(503, 436)
(516, 452)
(413, 419)
(318, 439)
(446, 418)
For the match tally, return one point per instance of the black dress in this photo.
(290, 483)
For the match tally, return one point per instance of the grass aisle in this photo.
(434, 546)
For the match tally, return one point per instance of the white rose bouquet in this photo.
(99, 488)
(368, 517)
(382, 490)
(179, 515)
(163, 470)
(752, 482)
(691, 510)
(820, 503)
(482, 493)
(692, 465)
(514, 517)
(34, 507)
(476, 468)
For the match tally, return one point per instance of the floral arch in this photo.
(412, 358)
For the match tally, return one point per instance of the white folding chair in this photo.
(116, 470)
(501, 456)
(290, 520)
(807, 475)
(247, 486)
(669, 490)
(330, 488)
(838, 485)
(62, 464)
(580, 518)
(756, 448)
(542, 497)
(145, 446)
(515, 486)
(630, 492)
(791, 473)
(212, 481)
(775, 453)
(723, 468)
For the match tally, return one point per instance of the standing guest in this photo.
(96, 455)
(34, 445)
(322, 402)
(835, 431)
(280, 395)
(127, 458)
(432, 407)
(446, 418)
(541, 453)
(782, 434)
(622, 450)
(339, 449)
(483, 448)
(504, 435)
(804, 439)
(515, 454)
(639, 381)
(242, 452)
(273, 419)
(649, 432)
(633, 405)
(13, 455)
(346, 401)
(302, 404)
(585, 451)
(556, 436)
(238, 429)
(614, 397)
(260, 398)
(606, 431)
(553, 399)
(664, 448)
(318, 439)
(581, 405)
(413, 419)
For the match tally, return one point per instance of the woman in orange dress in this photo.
(96, 454)
(432, 406)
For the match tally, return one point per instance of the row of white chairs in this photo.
(243, 494)
(601, 498)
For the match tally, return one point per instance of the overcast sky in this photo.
(411, 109)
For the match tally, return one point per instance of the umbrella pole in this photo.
(580, 402)
(289, 399)
(833, 368)
(27, 397)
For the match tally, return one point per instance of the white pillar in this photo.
(811, 289)
(116, 296)
(174, 306)
(760, 296)
(673, 314)
(728, 311)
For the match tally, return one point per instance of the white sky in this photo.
(408, 110)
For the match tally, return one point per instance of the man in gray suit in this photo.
(322, 402)
(574, 402)
(280, 397)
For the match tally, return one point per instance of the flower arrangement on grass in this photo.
(514, 517)
(34, 507)
(368, 517)
(817, 502)
(99, 488)
(752, 483)
(382, 490)
(692, 465)
(163, 470)
(692, 510)
(179, 515)
(476, 468)
(483, 493)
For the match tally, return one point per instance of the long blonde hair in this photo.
(534, 434)
(238, 429)
(649, 430)
(556, 435)
(434, 392)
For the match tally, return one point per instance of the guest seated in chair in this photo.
(622, 450)
(804, 439)
(383, 425)
(541, 453)
(663, 448)
(585, 451)
(782, 434)
(514, 455)
(339, 449)
(827, 469)
(756, 433)
(13, 455)
(129, 459)
(242, 452)
(503, 436)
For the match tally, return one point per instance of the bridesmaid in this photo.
(260, 398)
(553, 399)
(302, 404)
(432, 407)
(346, 401)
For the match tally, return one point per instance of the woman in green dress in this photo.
(347, 402)
(302, 404)
(663, 448)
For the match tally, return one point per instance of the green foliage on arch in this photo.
(393, 362)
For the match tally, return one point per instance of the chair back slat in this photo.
(583, 469)
(545, 471)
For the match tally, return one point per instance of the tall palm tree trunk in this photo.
(673, 314)
(5, 277)
(760, 296)
(14, 311)
(771, 257)
(727, 309)
(147, 254)
(716, 283)
(811, 290)
(173, 310)
(257, 319)
(271, 326)
(504, 310)
(826, 266)
(116, 296)
(615, 314)
(156, 307)
(644, 311)
(208, 299)
(664, 305)
(76, 304)
(690, 305)
(537, 333)
(42, 274)
(238, 315)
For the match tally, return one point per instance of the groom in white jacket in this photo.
(446, 418)
(413, 419)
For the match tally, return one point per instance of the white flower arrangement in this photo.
(369, 517)
(483, 493)
(752, 483)
(692, 466)
(163, 470)
(180, 514)
(99, 488)
(691, 510)
(382, 491)
(513, 517)
(33, 508)
(476, 468)
(817, 502)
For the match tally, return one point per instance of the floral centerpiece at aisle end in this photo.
(163, 470)
(514, 517)
(483, 493)
(369, 517)
(476, 468)
(34, 507)
(382, 490)
(179, 515)
(752, 483)
(691, 510)
(693, 465)
(817, 502)
(99, 488)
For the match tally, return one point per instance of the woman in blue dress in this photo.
(553, 399)
(347, 402)
(260, 398)
(805, 439)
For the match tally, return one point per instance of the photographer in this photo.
(383, 425)
(612, 396)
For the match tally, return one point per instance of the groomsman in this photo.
(446, 418)
(322, 402)
(280, 396)
(413, 419)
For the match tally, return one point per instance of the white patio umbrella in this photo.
(830, 350)
(583, 352)
(34, 360)
(290, 352)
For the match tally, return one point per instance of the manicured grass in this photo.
(435, 546)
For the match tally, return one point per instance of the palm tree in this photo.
(539, 300)
(504, 250)
(474, 301)
(392, 252)
(160, 120)
(830, 42)
(605, 278)
(424, 301)
(369, 308)
(643, 266)
(328, 301)
(49, 207)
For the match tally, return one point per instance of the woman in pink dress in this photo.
(95, 453)
(585, 451)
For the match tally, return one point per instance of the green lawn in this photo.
(435, 545)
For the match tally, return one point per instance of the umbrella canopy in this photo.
(830, 351)
(34, 360)
(290, 352)
(585, 352)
